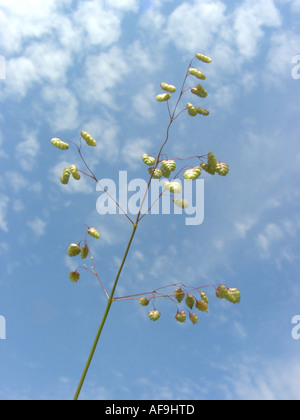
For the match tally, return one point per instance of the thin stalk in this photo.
(110, 300)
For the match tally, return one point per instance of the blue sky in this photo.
(97, 66)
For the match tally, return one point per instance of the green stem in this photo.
(110, 300)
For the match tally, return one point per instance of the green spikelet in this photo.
(193, 318)
(74, 172)
(201, 305)
(197, 73)
(168, 165)
(94, 232)
(203, 58)
(234, 295)
(60, 144)
(88, 139)
(144, 301)
(207, 168)
(179, 295)
(202, 111)
(222, 292)
(154, 315)
(189, 300)
(212, 161)
(167, 87)
(73, 250)
(64, 179)
(163, 97)
(181, 202)
(84, 252)
(193, 173)
(204, 297)
(148, 160)
(74, 276)
(155, 172)
(222, 168)
(199, 91)
(180, 316)
(191, 109)
(173, 186)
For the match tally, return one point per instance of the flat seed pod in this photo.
(197, 73)
(222, 292)
(73, 250)
(202, 111)
(222, 168)
(74, 172)
(204, 297)
(163, 97)
(212, 161)
(180, 316)
(180, 202)
(60, 144)
(148, 160)
(167, 87)
(199, 91)
(191, 110)
(64, 179)
(94, 232)
(207, 168)
(173, 186)
(192, 174)
(179, 295)
(193, 318)
(144, 301)
(201, 305)
(168, 165)
(84, 252)
(234, 295)
(189, 300)
(154, 315)
(88, 139)
(203, 58)
(156, 173)
(74, 276)
(165, 172)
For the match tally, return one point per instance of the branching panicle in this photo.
(159, 166)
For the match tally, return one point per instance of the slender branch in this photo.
(110, 300)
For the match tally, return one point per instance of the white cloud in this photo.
(283, 47)
(194, 26)
(38, 226)
(62, 108)
(254, 379)
(244, 226)
(133, 151)
(143, 102)
(250, 17)
(100, 25)
(27, 151)
(16, 180)
(102, 74)
(270, 236)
